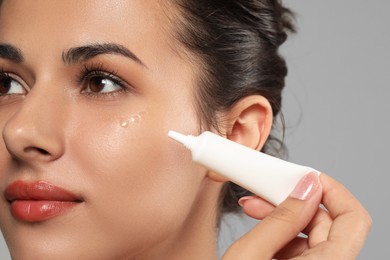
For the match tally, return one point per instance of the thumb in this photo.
(282, 225)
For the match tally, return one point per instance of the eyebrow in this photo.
(84, 53)
(10, 52)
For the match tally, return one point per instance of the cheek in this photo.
(138, 181)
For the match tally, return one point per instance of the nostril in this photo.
(36, 150)
(42, 151)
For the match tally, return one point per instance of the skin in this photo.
(139, 187)
(143, 198)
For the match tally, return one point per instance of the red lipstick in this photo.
(38, 201)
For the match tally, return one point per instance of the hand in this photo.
(337, 232)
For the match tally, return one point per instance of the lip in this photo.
(39, 201)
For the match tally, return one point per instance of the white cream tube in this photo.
(270, 178)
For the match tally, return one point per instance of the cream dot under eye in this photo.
(130, 120)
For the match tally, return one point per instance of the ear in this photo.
(248, 122)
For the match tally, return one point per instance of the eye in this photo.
(101, 84)
(10, 86)
(98, 81)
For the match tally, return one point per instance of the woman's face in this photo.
(88, 92)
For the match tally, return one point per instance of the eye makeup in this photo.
(11, 86)
(97, 81)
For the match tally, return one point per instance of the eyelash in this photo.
(4, 75)
(98, 70)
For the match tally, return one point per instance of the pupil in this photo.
(98, 84)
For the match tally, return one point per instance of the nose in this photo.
(33, 133)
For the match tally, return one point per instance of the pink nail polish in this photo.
(306, 186)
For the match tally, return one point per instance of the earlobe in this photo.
(249, 123)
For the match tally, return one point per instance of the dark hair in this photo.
(236, 43)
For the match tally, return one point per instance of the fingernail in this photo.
(242, 200)
(306, 187)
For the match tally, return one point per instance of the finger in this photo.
(318, 228)
(351, 221)
(295, 248)
(283, 224)
(256, 207)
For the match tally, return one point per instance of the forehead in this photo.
(54, 25)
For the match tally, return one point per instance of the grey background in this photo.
(337, 105)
